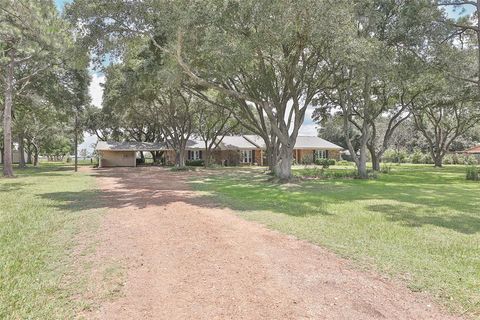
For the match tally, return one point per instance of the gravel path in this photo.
(186, 258)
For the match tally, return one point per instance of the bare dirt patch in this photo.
(184, 257)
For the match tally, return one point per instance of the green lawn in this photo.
(38, 229)
(416, 223)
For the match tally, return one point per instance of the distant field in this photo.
(42, 210)
(416, 223)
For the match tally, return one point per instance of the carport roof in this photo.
(130, 146)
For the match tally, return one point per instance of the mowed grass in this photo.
(416, 223)
(38, 231)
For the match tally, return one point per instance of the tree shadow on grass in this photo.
(460, 223)
(12, 186)
(138, 188)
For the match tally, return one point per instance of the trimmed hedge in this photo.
(325, 162)
(195, 163)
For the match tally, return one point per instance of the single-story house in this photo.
(232, 150)
(474, 151)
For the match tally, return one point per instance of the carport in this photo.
(123, 154)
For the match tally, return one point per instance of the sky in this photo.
(309, 128)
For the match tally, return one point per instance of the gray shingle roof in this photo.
(129, 146)
(236, 142)
(246, 142)
(310, 142)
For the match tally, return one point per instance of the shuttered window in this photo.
(194, 154)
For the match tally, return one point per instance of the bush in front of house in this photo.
(195, 163)
(473, 173)
(307, 159)
(344, 163)
(325, 163)
(176, 168)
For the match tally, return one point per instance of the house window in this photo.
(321, 154)
(194, 154)
(246, 156)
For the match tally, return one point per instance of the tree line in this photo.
(180, 68)
(44, 79)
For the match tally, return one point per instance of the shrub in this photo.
(395, 156)
(453, 158)
(343, 163)
(472, 173)
(321, 173)
(450, 159)
(385, 168)
(307, 159)
(325, 163)
(347, 157)
(179, 168)
(427, 159)
(470, 160)
(195, 163)
(341, 174)
(139, 161)
(417, 157)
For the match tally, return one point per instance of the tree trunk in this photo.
(1, 155)
(7, 119)
(375, 158)
(272, 157)
(362, 163)
(375, 162)
(206, 160)
(21, 150)
(283, 169)
(35, 155)
(76, 141)
(154, 156)
(180, 158)
(29, 156)
(437, 160)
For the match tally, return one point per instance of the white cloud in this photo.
(308, 128)
(96, 90)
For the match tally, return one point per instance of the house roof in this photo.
(129, 146)
(195, 144)
(246, 142)
(311, 142)
(475, 149)
(237, 142)
(256, 140)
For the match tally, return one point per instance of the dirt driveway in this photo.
(183, 257)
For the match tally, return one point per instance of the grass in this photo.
(37, 237)
(416, 223)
